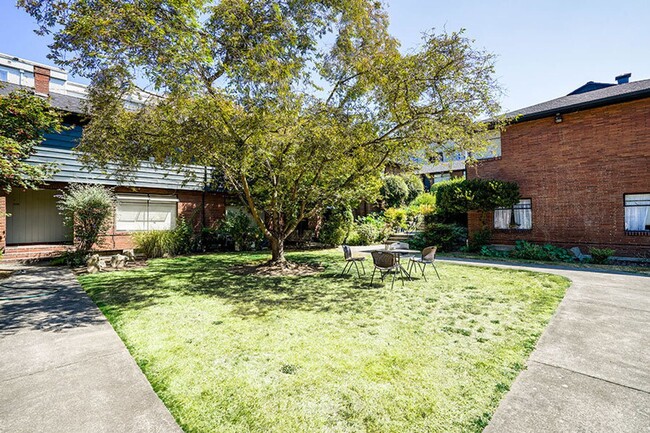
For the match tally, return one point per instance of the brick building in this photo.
(582, 163)
(154, 198)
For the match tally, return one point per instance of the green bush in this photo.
(367, 233)
(528, 251)
(479, 239)
(447, 237)
(601, 255)
(159, 243)
(396, 218)
(155, 243)
(414, 186)
(394, 191)
(424, 199)
(491, 252)
(243, 232)
(461, 196)
(87, 209)
(337, 227)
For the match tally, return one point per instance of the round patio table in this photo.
(399, 252)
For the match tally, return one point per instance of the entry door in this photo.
(34, 218)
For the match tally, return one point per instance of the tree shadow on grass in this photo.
(251, 295)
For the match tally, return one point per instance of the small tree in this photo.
(87, 209)
(414, 185)
(24, 118)
(394, 191)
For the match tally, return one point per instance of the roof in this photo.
(71, 104)
(580, 101)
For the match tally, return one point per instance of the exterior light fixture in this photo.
(558, 118)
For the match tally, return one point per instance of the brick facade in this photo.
(576, 172)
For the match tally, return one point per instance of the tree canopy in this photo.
(461, 196)
(298, 104)
(24, 118)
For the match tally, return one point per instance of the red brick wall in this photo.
(41, 80)
(576, 173)
(3, 223)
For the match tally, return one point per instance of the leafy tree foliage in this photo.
(414, 185)
(24, 118)
(475, 194)
(300, 104)
(394, 191)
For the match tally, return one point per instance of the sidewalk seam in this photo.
(590, 376)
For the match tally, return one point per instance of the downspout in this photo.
(205, 186)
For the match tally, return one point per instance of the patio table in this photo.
(399, 252)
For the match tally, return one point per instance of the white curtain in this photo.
(502, 218)
(524, 218)
(636, 217)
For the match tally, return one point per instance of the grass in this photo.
(240, 353)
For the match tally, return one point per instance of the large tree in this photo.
(299, 104)
(24, 119)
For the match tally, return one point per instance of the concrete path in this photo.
(590, 371)
(62, 366)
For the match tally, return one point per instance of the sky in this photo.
(545, 49)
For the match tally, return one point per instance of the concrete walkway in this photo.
(590, 371)
(62, 366)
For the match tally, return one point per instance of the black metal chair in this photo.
(428, 258)
(387, 263)
(350, 260)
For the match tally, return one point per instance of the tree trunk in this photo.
(277, 251)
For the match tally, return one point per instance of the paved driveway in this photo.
(62, 366)
(590, 371)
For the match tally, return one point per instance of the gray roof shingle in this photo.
(70, 104)
(595, 98)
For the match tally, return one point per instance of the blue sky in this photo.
(545, 49)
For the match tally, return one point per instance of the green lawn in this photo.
(232, 353)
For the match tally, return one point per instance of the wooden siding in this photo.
(34, 218)
(70, 170)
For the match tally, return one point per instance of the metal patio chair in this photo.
(428, 258)
(350, 260)
(386, 262)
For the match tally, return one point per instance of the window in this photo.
(441, 177)
(4, 75)
(518, 217)
(141, 212)
(637, 212)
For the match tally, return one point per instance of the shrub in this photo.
(414, 186)
(425, 199)
(155, 243)
(491, 252)
(337, 227)
(479, 239)
(159, 243)
(528, 251)
(87, 209)
(367, 233)
(601, 255)
(447, 237)
(239, 227)
(462, 196)
(396, 218)
(394, 191)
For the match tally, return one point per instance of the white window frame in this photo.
(6, 75)
(637, 212)
(147, 204)
(523, 216)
